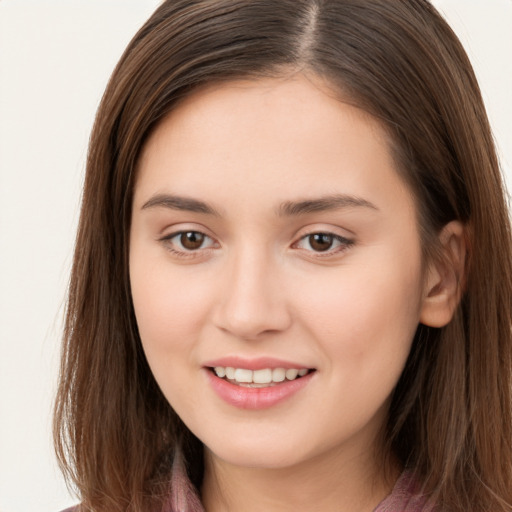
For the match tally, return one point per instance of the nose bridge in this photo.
(253, 299)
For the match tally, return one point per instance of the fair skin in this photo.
(270, 228)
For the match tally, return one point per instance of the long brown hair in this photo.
(450, 419)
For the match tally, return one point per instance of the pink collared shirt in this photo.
(403, 498)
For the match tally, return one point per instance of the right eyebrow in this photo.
(324, 203)
(180, 203)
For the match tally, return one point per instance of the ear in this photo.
(444, 283)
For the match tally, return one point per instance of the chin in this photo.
(261, 453)
(257, 459)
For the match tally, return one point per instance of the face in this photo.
(276, 271)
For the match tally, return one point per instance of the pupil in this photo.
(192, 240)
(320, 241)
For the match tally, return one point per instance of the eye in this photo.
(188, 241)
(324, 243)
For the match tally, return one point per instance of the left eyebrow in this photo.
(325, 203)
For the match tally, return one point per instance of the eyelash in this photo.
(343, 244)
(185, 253)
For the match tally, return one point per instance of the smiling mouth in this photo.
(263, 378)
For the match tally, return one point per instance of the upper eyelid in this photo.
(171, 230)
(328, 233)
(173, 234)
(325, 224)
(340, 238)
(331, 232)
(326, 230)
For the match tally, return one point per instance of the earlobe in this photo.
(444, 283)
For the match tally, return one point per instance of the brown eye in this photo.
(192, 240)
(328, 243)
(320, 241)
(188, 244)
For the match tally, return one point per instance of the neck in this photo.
(332, 484)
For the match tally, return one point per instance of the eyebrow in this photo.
(326, 203)
(180, 203)
(286, 209)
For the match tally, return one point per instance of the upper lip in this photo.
(259, 363)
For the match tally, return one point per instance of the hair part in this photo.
(450, 418)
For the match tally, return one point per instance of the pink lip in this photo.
(259, 363)
(256, 398)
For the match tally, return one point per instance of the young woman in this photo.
(292, 281)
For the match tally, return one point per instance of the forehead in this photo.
(292, 103)
(286, 138)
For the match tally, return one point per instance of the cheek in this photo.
(367, 314)
(170, 306)
(170, 311)
(364, 328)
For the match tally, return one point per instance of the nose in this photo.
(253, 299)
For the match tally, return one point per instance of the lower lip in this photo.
(256, 398)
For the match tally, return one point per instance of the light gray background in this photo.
(55, 59)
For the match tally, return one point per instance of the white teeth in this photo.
(278, 374)
(292, 373)
(242, 375)
(264, 376)
(220, 371)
